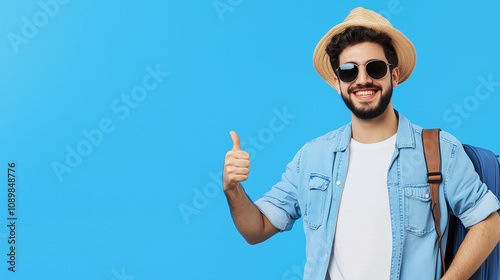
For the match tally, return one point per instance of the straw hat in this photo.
(405, 51)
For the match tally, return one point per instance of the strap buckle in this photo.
(434, 177)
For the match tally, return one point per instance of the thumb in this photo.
(236, 141)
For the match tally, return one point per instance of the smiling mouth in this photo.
(364, 93)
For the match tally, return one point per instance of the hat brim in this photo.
(405, 50)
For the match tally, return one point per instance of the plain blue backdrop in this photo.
(117, 115)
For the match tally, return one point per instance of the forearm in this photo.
(249, 221)
(477, 245)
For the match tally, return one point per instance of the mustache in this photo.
(361, 87)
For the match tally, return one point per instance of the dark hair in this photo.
(359, 34)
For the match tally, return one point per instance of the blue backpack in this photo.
(487, 166)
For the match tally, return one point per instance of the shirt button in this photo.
(338, 183)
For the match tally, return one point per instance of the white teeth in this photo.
(365, 93)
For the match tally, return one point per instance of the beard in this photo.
(368, 113)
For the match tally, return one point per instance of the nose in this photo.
(363, 77)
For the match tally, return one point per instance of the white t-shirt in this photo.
(363, 238)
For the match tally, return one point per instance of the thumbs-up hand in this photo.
(235, 165)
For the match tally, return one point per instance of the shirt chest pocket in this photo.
(418, 212)
(316, 198)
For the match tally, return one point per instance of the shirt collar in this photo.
(404, 139)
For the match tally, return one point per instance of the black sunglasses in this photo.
(376, 69)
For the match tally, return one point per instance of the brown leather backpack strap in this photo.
(432, 153)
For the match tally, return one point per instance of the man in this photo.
(362, 189)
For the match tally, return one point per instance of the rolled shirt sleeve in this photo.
(481, 210)
(469, 199)
(280, 205)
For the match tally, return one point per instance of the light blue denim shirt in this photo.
(312, 187)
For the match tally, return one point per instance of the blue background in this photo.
(144, 200)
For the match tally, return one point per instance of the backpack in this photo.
(487, 166)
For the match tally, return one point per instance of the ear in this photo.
(337, 84)
(395, 77)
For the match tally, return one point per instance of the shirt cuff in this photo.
(277, 216)
(484, 207)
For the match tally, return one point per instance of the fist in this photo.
(235, 165)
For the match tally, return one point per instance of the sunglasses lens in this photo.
(377, 69)
(348, 72)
